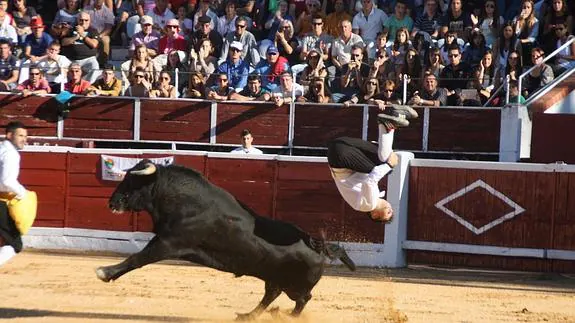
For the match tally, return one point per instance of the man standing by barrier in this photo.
(10, 235)
(357, 165)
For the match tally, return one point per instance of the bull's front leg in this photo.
(272, 292)
(157, 249)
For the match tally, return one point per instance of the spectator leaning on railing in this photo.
(35, 85)
(271, 68)
(288, 91)
(253, 91)
(196, 86)
(429, 94)
(139, 86)
(106, 85)
(221, 90)
(76, 84)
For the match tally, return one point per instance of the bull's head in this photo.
(134, 193)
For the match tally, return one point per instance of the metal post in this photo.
(177, 78)
(507, 79)
(404, 89)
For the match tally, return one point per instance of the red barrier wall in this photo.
(71, 193)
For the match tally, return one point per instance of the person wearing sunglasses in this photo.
(172, 39)
(565, 59)
(316, 39)
(454, 76)
(249, 52)
(36, 84)
(271, 68)
(304, 22)
(540, 76)
(163, 88)
(81, 46)
(139, 86)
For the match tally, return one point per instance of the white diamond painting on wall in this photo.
(479, 184)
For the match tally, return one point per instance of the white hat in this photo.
(237, 45)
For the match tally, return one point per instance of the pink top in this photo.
(27, 85)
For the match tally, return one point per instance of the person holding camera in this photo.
(354, 73)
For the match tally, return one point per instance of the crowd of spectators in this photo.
(438, 52)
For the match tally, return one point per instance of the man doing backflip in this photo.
(357, 165)
(10, 237)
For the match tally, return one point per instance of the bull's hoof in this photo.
(244, 317)
(101, 273)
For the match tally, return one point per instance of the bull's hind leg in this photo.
(154, 251)
(300, 304)
(272, 292)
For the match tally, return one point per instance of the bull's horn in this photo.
(149, 170)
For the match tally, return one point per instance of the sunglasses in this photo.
(138, 76)
(489, 6)
(536, 57)
(165, 78)
(240, 26)
(235, 50)
(34, 73)
(83, 19)
(223, 80)
(355, 55)
(453, 55)
(172, 26)
(388, 90)
(372, 83)
(318, 23)
(272, 54)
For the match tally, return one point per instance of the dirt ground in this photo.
(62, 287)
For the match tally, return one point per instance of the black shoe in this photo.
(406, 110)
(392, 121)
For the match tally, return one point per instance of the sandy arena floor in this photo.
(56, 287)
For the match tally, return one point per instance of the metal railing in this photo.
(553, 54)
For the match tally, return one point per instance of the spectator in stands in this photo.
(526, 29)
(9, 66)
(485, 74)
(52, 64)
(489, 22)
(196, 86)
(286, 42)
(288, 91)
(247, 147)
(76, 84)
(540, 76)
(161, 15)
(514, 96)
(107, 85)
(334, 19)
(454, 76)
(186, 24)
(140, 60)
(172, 40)
(398, 20)
(227, 22)
(475, 49)
(411, 65)
(249, 52)
(235, 68)
(253, 92)
(513, 69)
(450, 40)
(429, 21)
(147, 36)
(456, 21)
(37, 42)
(274, 24)
(22, 15)
(382, 68)
(102, 20)
(81, 46)
(205, 31)
(400, 46)
(271, 68)
(203, 61)
(221, 90)
(565, 59)
(204, 10)
(354, 73)
(7, 29)
(65, 19)
(35, 85)
(557, 14)
(429, 94)
(368, 92)
(505, 44)
(433, 61)
(303, 23)
(163, 88)
(369, 22)
(318, 92)
(315, 68)
(177, 62)
(387, 96)
(139, 86)
(316, 39)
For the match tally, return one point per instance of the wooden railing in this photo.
(184, 121)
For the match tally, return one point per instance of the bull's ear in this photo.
(149, 170)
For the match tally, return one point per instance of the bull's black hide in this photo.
(197, 221)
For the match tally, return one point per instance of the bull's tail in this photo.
(332, 251)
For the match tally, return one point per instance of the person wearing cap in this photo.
(235, 68)
(36, 43)
(107, 85)
(205, 30)
(249, 52)
(147, 36)
(204, 10)
(172, 39)
(271, 68)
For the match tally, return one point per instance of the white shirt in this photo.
(342, 50)
(360, 190)
(9, 170)
(242, 150)
(296, 91)
(162, 19)
(371, 25)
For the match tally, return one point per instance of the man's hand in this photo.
(392, 160)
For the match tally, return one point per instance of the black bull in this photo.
(197, 221)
